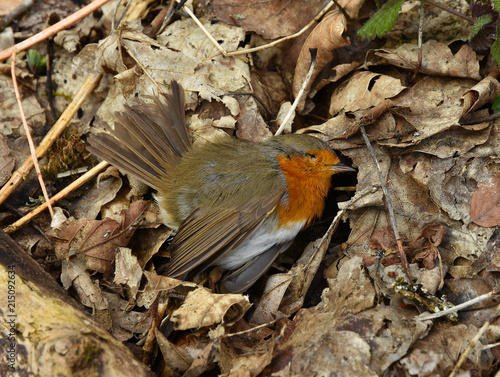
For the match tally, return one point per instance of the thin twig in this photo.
(492, 345)
(207, 33)
(255, 328)
(20, 9)
(420, 33)
(263, 47)
(17, 178)
(115, 12)
(450, 10)
(60, 195)
(124, 13)
(291, 112)
(50, 97)
(54, 29)
(489, 118)
(456, 308)
(472, 343)
(162, 18)
(28, 134)
(35, 226)
(388, 203)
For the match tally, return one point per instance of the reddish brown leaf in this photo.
(98, 239)
(485, 204)
(271, 19)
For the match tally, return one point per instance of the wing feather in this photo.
(148, 138)
(209, 233)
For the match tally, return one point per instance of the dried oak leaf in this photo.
(485, 204)
(97, 240)
(203, 308)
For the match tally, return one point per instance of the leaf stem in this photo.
(450, 10)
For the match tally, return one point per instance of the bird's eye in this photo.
(311, 156)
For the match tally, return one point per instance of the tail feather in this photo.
(148, 138)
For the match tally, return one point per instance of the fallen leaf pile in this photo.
(435, 145)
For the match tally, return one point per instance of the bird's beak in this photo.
(338, 168)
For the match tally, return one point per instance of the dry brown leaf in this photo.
(448, 143)
(349, 104)
(351, 7)
(266, 308)
(336, 74)
(71, 39)
(433, 233)
(326, 37)
(202, 362)
(318, 349)
(89, 205)
(431, 106)
(75, 274)
(438, 59)
(363, 91)
(271, 19)
(245, 355)
(93, 239)
(251, 125)
(338, 127)
(489, 259)
(97, 240)
(485, 203)
(177, 358)
(125, 323)
(127, 271)
(428, 254)
(346, 332)
(158, 283)
(8, 6)
(149, 242)
(201, 308)
(269, 87)
(9, 116)
(205, 131)
(384, 241)
(437, 353)
(7, 162)
(484, 92)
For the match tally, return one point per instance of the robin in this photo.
(236, 204)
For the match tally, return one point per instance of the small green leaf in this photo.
(382, 21)
(495, 106)
(480, 22)
(495, 50)
(36, 62)
(496, 5)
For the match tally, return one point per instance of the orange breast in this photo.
(308, 183)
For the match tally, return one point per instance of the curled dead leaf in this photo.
(326, 37)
